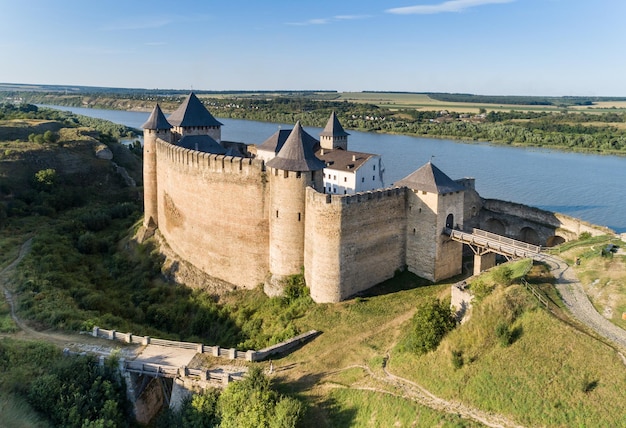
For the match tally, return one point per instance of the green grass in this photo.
(15, 412)
(7, 325)
(551, 375)
(349, 407)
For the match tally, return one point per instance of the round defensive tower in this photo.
(294, 168)
(155, 127)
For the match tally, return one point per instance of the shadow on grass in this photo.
(336, 415)
(516, 333)
(400, 282)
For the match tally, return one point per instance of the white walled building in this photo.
(346, 172)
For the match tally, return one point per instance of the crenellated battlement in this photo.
(318, 198)
(194, 159)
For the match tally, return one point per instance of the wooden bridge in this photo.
(486, 245)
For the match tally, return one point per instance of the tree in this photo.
(253, 403)
(432, 320)
(45, 179)
(50, 137)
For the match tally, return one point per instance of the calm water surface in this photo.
(590, 187)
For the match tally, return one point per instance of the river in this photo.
(590, 187)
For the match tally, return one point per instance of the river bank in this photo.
(568, 132)
(584, 186)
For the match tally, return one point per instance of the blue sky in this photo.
(506, 47)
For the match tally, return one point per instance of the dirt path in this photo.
(578, 303)
(73, 342)
(414, 392)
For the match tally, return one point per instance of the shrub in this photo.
(584, 236)
(504, 334)
(480, 289)
(431, 322)
(45, 179)
(96, 220)
(457, 359)
(503, 275)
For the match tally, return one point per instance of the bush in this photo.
(584, 236)
(431, 322)
(503, 275)
(480, 289)
(504, 334)
(457, 359)
(45, 179)
(96, 220)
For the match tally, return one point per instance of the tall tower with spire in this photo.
(334, 136)
(294, 168)
(155, 127)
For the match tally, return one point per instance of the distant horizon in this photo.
(226, 91)
(548, 48)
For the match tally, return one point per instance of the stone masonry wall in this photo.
(213, 212)
(448, 260)
(353, 242)
(422, 233)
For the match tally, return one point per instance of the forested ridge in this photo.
(571, 130)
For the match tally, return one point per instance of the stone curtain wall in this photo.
(213, 212)
(515, 217)
(353, 242)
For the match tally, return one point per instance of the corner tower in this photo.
(434, 203)
(333, 136)
(155, 127)
(294, 168)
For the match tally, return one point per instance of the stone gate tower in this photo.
(434, 203)
(294, 168)
(155, 127)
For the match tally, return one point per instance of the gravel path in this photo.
(579, 304)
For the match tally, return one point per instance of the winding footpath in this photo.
(74, 342)
(568, 285)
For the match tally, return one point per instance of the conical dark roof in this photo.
(201, 143)
(278, 138)
(234, 151)
(296, 154)
(192, 113)
(333, 127)
(431, 179)
(156, 120)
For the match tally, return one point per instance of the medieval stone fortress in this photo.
(248, 215)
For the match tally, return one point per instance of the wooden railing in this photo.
(535, 293)
(493, 242)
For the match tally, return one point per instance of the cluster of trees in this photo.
(251, 403)
(67, 391)
(520, 100)
(562, 131)
(46, 137)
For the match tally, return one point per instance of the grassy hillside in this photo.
(511, 358)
